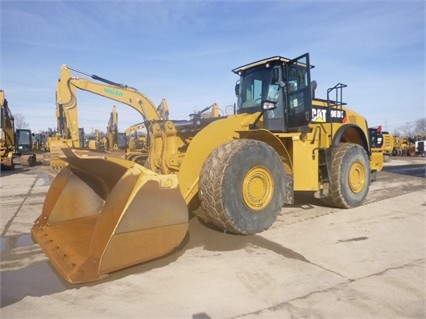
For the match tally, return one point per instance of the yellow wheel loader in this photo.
(102, 213)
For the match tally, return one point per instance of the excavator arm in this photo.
(67, 111)
(133, 128)
(137, 145)
(66, 95)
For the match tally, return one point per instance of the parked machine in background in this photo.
(15, 145)
(376, 142)
(96, 141)
(388, 145)
(7, 140)
(137, 149)
(242, 168)
(112, 130)
(404, 146)
(24, 142)
(39, 141)
(68, 134)
(116, 141)
(137, 137)
(420, 147)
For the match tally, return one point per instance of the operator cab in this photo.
(376, 137)
(24, 140)
(278, 87)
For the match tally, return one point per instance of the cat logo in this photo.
(321, 115)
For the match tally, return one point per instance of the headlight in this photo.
(269, 105)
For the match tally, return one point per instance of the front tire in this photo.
(242, 186)
(349, 176)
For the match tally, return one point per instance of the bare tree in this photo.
(20, 121)
(420, 127)
(407, 129)
(396, 132)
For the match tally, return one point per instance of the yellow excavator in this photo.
(96, 141)
(137, 149)
(68, 132)
(116, 141)
(137, 144)
(7, 139)
(102, 214)
(112, 130)
(16, 145)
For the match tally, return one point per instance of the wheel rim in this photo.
(258, 186)
(357, 177)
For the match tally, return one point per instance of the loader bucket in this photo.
(102, 214)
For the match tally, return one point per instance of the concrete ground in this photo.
(314, 262)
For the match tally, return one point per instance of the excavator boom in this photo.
(114, 91)
(67, 113)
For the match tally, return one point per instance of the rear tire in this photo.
(242, 186)
(349, 176)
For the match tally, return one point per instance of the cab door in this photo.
(298, 92)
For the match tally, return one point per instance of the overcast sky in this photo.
(184, 51)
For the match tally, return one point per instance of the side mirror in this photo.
(237, 89)
(276, 75)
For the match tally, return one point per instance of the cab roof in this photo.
(260, 62)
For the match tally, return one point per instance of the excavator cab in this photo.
(24, 140)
